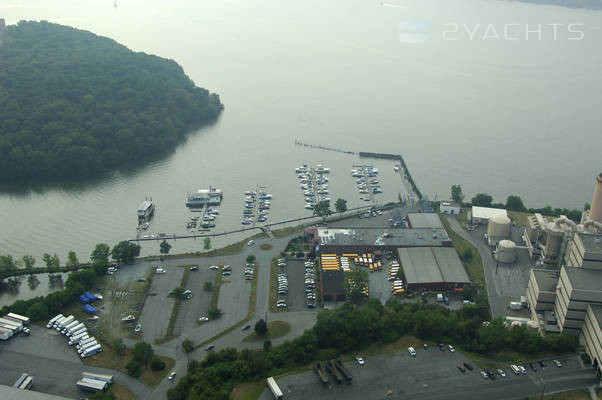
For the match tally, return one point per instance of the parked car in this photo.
(468, 366)
(484, 375)
(441, 346)
(203, 319)
(138, 328)
(209, 347)
(412, 351)
(515, 369)
(250, 243)
(557, 363)
(533, 367)
(461, 368)
(172, 375)
(360, 360)
(451, 348)
(543, 364)
(501, 372)
(195, 268)
(522, 369)
(425, 346)
(244, 328)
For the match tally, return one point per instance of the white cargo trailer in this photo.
(76, 338)
(9, 322)
(5, 334)
(86, 341)
(99, 377)
(92, 385)
(53, 320)
(69, 326)
(24, 320)
(87, 346)
(91, 351)
(64, 322)
(73, 329)
(275, 389)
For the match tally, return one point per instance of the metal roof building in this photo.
(9, 393)
(424, 220)
(479, 214)
(432, 268)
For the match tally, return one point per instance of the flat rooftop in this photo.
(592, 243)
(546, 280)
(432, 265)
(425, 220)
(376, 237)
(487, 213)
(9, 393)
(333, 281)
(584, 279)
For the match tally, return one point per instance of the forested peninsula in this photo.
(74, 104)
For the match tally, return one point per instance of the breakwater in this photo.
(404, 171)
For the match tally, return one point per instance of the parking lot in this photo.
(198, 305)
(431, 374)
(296, 298)
(54, 365)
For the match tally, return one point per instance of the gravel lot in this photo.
(431, 374)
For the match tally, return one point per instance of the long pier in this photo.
(265, 228)
(404, 171)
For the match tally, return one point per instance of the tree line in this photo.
(43, 307)
(513, 203)
(73, 104)
(351, 328)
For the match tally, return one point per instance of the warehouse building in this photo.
(432, 269)
(424, 220)
(591, 335)
(333, 285)
(368, 240)
(449, 207)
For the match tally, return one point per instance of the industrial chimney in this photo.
(595, 212)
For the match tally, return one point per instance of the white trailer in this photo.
(73, 329)
(64, 322)
(5, 334)
(91, 351)
(87, 346)
(27, 383)
(20, 380)
(275, 389)
(69, 326)
(76, 338)
(98, 377)
(9, 322)
(53, 320)
(18, 317)
(86, 341)
(92, 385)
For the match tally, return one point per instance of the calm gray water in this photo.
(500, 116)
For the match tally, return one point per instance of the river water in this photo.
(498, 115)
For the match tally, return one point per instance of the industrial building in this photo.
(585, 251)
(432, 268)
(541, 296)
(591, 335)
(449, 207)
(368, 240)
(478, 215)
(10, 393)
(333, 285)
(424, 220)
(499, 228)
(577, 287)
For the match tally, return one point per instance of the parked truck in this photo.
(24, 320)
(275, 389)
(9, 322)
(440, 297)
(85, 341)
(91, 351)
(5, 334)
(77, 338)
(321, 373)
(333, 371)
(73, 329)
(87, 346)
(53, 320)
(515, 305)
(69, 326)
(61, 324)
(344, 371)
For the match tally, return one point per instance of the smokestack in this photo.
(595, 212)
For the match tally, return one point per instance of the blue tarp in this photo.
(83, 299)
(89, 308)
(90, 296)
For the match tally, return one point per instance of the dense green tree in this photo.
(261, 327)
(164, 247)
(214, 313)
(322, 209)
(125, 252)
(28, 262)
(52, 262)
(7, 263)
(340, 205)
(101, 253)
(250, 259)
(134, 368)
(456, 194)
(118, 346)
(177, 292)
(187, 347)
(157, 364)
(73, 104)
(515, 203)
(38, 311)
(142, 352)
(482, 200)
(206, 244)
(72, 260)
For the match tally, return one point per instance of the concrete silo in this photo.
(499, 227)
(506, 251)
(555, 234)
(595, 212)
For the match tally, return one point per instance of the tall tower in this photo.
(595, 211)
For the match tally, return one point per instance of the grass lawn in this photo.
(121, 392)
(265, 246)
(474, 267)
(287, 231)
(574, 395)
(108, 358)
(276, 329)
(248, 391)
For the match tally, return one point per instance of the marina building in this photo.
(432, 268)
(449, 207)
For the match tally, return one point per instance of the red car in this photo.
(461, 368)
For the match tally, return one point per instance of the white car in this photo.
(522, 369)
(203, 319)
(412, 351)
(214, 267)
(451, 348)
(160, 271)
(138, 328)
(172, 375)
(501, 372)
(557, 363)
(360, 360)
(250, 243)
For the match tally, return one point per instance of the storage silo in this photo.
(553, 240)
(506, 251)
(499, 227)
(595, 211)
